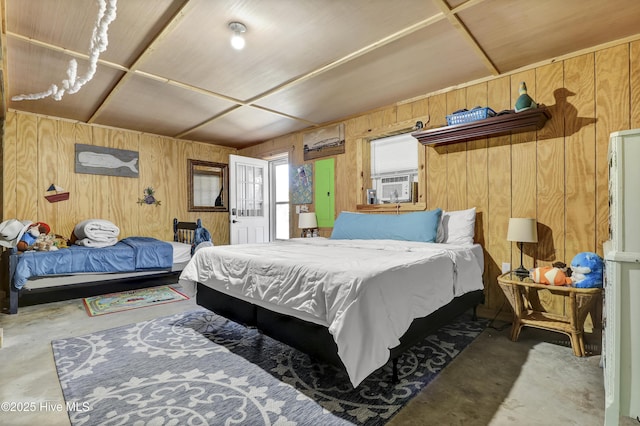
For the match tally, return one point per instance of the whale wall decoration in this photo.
(100, 160)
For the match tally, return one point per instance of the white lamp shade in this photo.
(522, 230)
(307, 220)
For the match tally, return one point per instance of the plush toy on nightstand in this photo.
(587, 270)
(557, 274)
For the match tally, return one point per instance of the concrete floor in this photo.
(535, 381)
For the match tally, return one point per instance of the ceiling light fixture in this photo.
(237, 40)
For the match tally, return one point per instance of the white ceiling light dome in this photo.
(237, 40)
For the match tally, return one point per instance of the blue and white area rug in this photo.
(198, 368)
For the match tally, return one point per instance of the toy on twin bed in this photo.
(557, 274)
(36, 237)
(588, 269)
(59, 241)
(29, 237)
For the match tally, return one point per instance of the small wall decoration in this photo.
(55, 193)
(301, 184)
(149, 197)
(100, 160)
(324, 142)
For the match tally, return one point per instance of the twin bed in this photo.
(130, 259)
(357, 299)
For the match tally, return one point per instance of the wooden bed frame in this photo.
(315, 340)
(183, 232)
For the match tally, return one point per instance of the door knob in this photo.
(235, 221)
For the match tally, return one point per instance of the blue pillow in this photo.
(416, 226)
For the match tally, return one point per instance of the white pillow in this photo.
(457, 227)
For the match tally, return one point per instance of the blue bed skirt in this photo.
(131, 254)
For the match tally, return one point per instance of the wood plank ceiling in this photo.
(169, 68)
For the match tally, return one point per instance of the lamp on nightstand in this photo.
(522, 230)
(307, 222)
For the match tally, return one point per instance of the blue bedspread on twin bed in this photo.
(128, 255)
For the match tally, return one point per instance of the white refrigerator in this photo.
(621, 356)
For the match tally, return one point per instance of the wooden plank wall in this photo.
(557, 174)
(39, 151)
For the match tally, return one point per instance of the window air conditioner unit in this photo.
(395, 188)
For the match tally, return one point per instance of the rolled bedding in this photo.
(96, 233)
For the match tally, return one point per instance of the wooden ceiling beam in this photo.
(206, 122)
(455, 21)
(230, 110)
(164, 32)
(66, 51)
(188, 87)
(465, 5)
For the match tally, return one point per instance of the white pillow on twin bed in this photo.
(457, 227)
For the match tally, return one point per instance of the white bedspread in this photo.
(366, 292)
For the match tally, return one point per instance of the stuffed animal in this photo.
(44, 242)
(551, 275)
(32, 234)
(59, 242)
(588, 269)
(28, 238)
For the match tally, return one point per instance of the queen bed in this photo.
(352, 301)
(126, 260)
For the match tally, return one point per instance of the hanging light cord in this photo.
(99, 42)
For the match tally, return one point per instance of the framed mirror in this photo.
(208, 186)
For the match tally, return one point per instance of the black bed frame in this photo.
(183, 232)
(315, 340)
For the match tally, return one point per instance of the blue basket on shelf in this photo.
(467, 116)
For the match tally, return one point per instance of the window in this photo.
(279, 171)
(394, 167)
(249, 190)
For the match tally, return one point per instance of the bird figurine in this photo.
(524, 101)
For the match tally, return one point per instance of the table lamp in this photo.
(307, 222)
(522, 230)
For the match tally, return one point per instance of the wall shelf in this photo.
(493, 126)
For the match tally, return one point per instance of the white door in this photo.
(248, 200)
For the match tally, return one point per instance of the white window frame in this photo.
(273, 162)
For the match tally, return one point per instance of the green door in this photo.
(325, 193)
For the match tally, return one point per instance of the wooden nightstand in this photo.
(578, 303)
